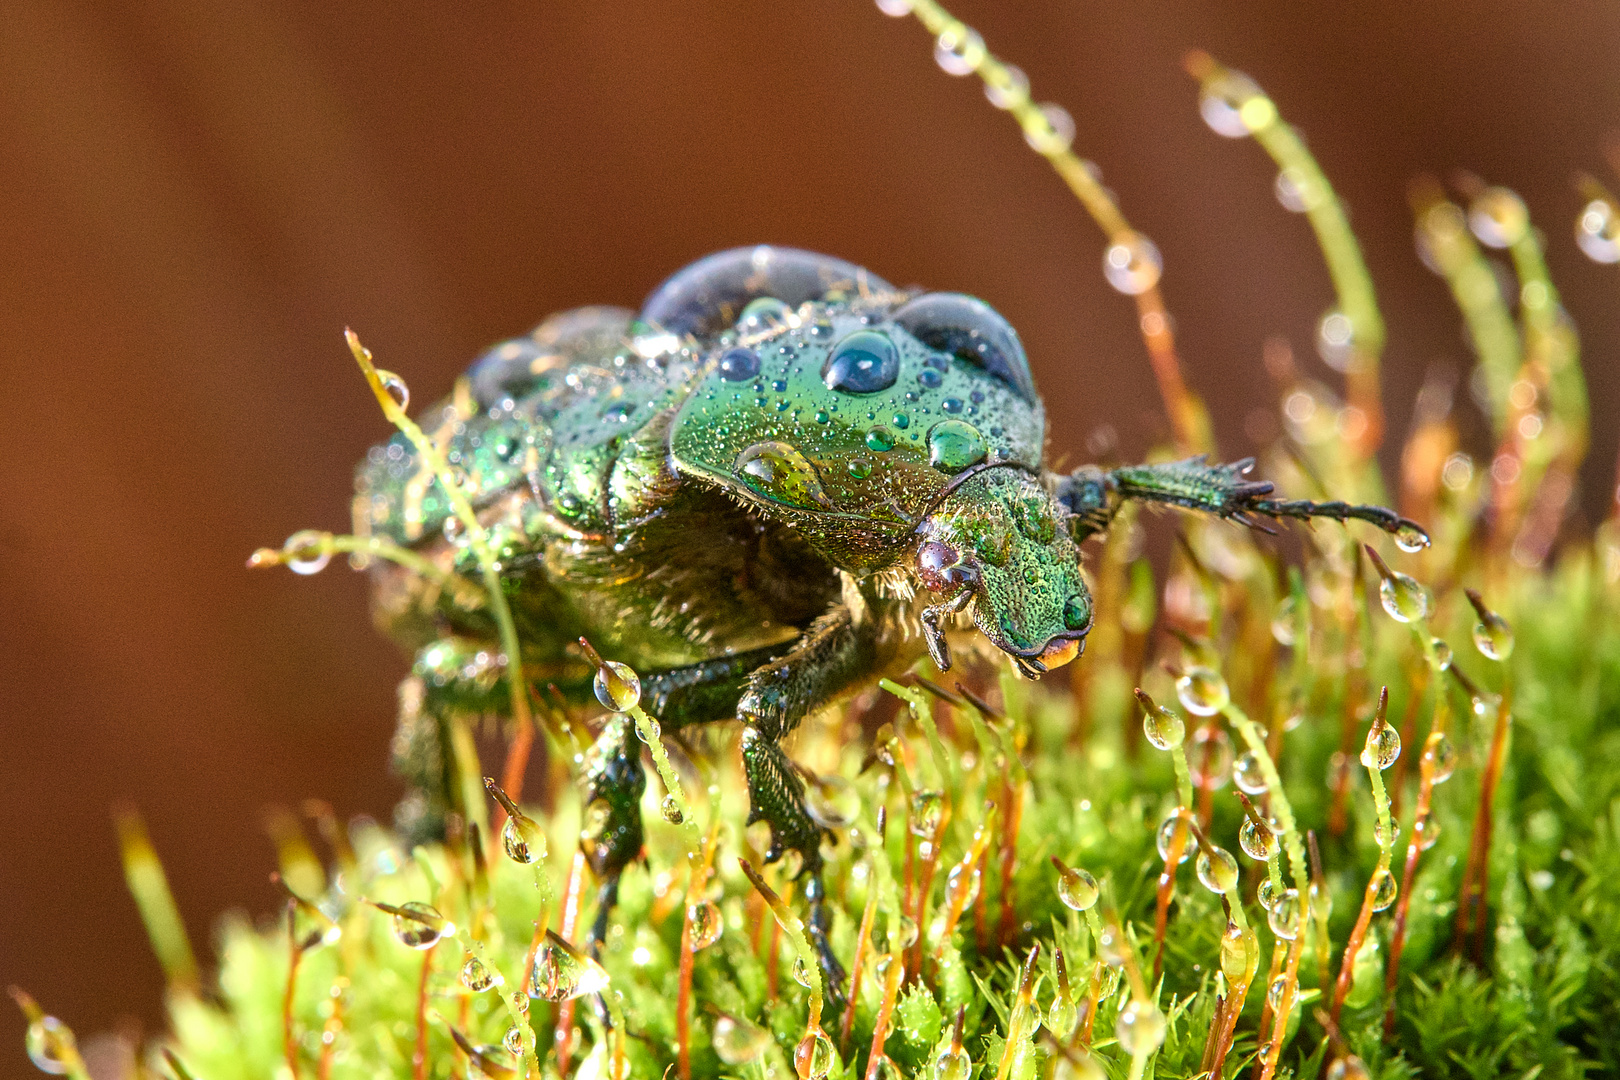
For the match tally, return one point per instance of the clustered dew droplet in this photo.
(1404, 598)
(1283, 917)
(617, 686)
(813, 1057)
(523, 839)
(1597, 231)
(1049, 131)
(1202, 692)
(1132, 264)
(1076, 888)
(1163, 728)
(1217, 870)
(670, 809)
(420, 926)
(306, 552)
(1167, 832)
(1383, 888)
(51, 1046)
(1441, 754)
(707, 924)
(927, 809)
(476, 977)
(738, 1042)
(1382, 748)
(1259, 842)
(1248, 773)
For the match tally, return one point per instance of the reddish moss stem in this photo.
(419, 1059)
(1476, 876)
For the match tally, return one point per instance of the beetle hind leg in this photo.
(614, 784)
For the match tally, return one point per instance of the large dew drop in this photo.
(1217, 870)
(1163, 728)
(1382, 748)
(475, 976)
(1259, 842)
(738, 1042)
(420, 926)
(562, 972)
(1498, 218)
(1140, 1028)
(706, 923)
(1202, 692)
(1166, 835)
(953, 445)
(782, 474)
(51, 1046)
(1384, 887)
(523, 839)
(1597, 231)
(617, 686)
(1076, 887)
(813, 1057)
(1404, 598)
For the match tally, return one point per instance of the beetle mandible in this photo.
(781, 479)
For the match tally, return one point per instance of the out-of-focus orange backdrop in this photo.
(195, 199)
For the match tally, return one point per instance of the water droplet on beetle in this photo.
(779, 472)
(617, 686)
(706, 922)
(901, 420)
(420, 926)
(475, 976)
(879, 439)
(738, 1042)
(738, 365)
(306, 552)
(930, 378)
(860, 468)
(396, 388)
(954, 445)
(1132, 264)
(762, 312)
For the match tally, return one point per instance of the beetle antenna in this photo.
(957, 481)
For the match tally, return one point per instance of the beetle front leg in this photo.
(831, 654)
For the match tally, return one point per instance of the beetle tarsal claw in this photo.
(934, 633)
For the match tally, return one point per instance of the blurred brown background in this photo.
(196, 197)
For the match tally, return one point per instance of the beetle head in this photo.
(999, 540)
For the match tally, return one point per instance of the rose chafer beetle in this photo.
(781, 479)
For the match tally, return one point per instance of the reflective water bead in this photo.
(1442, 654)
(763, 311)
(1384, 887)
(1409, 538)
(1248, 774)
(1383, 746)
(1404, 598)
(1335, 338)
(879, 439)
(1493, 636)
(780, 473)
(1006, 87)
(1132, 264)
(895, 9)
(1386, 835)
(927, 807)
(1285, 622)
(1140, 1028)
(1167, 830)
(1163, 728)
(1076, 888)
(1275, 992)
(1426, 831)
(952, 1063)
(1062, 1016)
(1209, 758)
(813, 1057)
(51, 1046)
(1441, 754)
(513, 1039)
(1498, 218)
(1259, 842)
(419, 926)
(902, 933)
(306, 552)
(801, 972)
(739, 364)
(959, 49)
(562, 972)
(1283, 918)
(1223, 101)
(670, 808)
(737, 1042)
(522, 839)
(954, 445)
(475, 976)
(860, 468)
(1239, 949)
(1348, 1067)
(1217, 870)
(617, 686)
(1268, 893)
(1080, 1067)
(1297, 192)
(1597, 231)
(707, 924)
(1050, 130)
(1202, 692)
(396, 388)
(1111, 946)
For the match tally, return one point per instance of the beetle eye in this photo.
(973, 332)
(1076, 613)
(939, 566)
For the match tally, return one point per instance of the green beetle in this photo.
(780, 480)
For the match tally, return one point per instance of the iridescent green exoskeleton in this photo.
(780, 480)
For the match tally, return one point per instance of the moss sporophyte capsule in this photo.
(748, 496)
